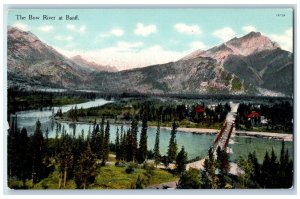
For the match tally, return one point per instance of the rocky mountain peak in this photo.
(253, 42)
(20, 34)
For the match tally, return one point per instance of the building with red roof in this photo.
(199, 109)
(253, 114)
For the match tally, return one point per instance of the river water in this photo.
(196, 145)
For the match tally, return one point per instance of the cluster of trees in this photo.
(26, 154)
(214, 175)
(19, 100)
(274, 172)
(74, 113)
(156, 110)
(79, 157)
(35, 157)
(278, 115)
(180, 112)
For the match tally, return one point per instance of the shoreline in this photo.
(266, 135)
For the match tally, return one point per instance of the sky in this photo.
(130, 38)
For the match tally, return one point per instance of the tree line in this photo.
(279, 116)
(79, 157)
(274, 172)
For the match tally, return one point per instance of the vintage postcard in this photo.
(150, 98)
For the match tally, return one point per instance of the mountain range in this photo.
(251, 64)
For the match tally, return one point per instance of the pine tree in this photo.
(129, 146)
(123, 148)
(143, 141)
(94, 139)
(288, 181)
(65, 159)
(265, 174)
(222, 164)
(101, 138)
(86, 169)
(156, 146)
(117, 145)
(106, 143)
(24, 156)
(172, 150)
(38, 154)
(88, 137)
(285, 168)
(190, 179)
(133, 138)
(209, 177)
(12, 143)
(181, 160)
(273, 170)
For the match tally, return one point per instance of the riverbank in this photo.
(267, 135)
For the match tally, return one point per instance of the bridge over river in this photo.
(222, 139)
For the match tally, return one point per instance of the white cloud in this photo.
(249, 28)
(46, 28)
(122, 45)
(285, 40)
(196, 45)
(81, 29)
(127, 55)
(144, 30)
(74, 28)
(118, 32)
(71, 27)
(63, 38)
(188, 29)
(21, 26)
(224, 34)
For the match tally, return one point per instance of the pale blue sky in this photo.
(130, 38)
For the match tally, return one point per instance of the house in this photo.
(254, 117)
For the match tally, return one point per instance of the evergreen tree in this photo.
(56, 143)
(106, 143)
(273, 170)
(117, 145)
(38, 154)
(172, 150)
(245, 178)
(285, 171)
(133, 138)
(255, 176)
(24, 156)
(143, 141)
(156, 146)
(190, 179)
(129, 146)
(88, 137)
(223, 166)
(181, 160)
(266, 175)
(86, 169)
(101, 139)
(12, 145)
(65, 160)
(288, 180)
(209, 176)
(94, 139)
